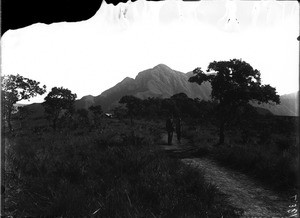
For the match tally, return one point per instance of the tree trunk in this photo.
(221, 133)
(9, 121)
(131, 119)
(54, 123)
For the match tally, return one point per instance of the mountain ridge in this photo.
(159, 81)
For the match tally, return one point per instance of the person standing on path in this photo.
(178, 128)
(170, 129)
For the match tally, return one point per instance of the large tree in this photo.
(234, 84)
(15, 88)
(56, 101)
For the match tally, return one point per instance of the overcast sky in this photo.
(91, 56)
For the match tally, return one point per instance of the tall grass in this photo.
(114, 171)
(262, 148)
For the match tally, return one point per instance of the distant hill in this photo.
(289, 105)
(162, 81)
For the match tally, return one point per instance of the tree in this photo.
(169, 107)
(152, 107)
(59, 100)
(120, 111)
(184, 105)
(15, 88)
(133, 105)
(234, 84)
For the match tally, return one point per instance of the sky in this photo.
(88, 57)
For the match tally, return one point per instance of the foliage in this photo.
(133, 105)
(120, 112)
(15, 88)
(177, 105)
(234, 83)
(185, 105)
(169, 107)
(106, 173)
(152, 108)
(56, 101)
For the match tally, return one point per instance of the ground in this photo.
(243, 192)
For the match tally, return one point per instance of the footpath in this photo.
(242, 191)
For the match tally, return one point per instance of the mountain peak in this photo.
(162, 66)
(87, 97)
(127, 79)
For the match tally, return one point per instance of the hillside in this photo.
(289, 105)
(160, 81)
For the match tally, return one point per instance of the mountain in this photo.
(160, 81)
(85, 102)
(289, 105)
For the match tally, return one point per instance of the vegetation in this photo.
(267, 154)
(107, 173)
(85, 164)
(133, 105)
(83, 117)
(15, 88)
(97, 112)
(56, 101)
(234, 84)
(157, 108)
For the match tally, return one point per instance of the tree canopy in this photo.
(234, 83)
(15, 88)
(57, 100)
(133, 104)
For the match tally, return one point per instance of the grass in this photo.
(266, 151)
(113, 171)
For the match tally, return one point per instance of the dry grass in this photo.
(113, 171)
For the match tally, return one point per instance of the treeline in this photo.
(58, 106)
(177, 105)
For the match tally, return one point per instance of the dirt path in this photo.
(242, 191)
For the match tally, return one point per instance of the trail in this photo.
(242, 191)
